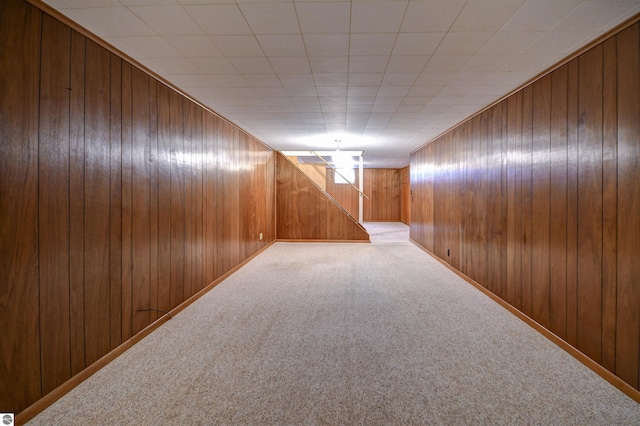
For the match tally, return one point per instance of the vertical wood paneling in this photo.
(110, 181)
(384, 188)
(609, 203)
(140, 201)
(572, 203)
(628, 271)
(127, 201)
(558, 205)
(115, 212)
(540, 201)
(564, 152)
(590, 203)
(96, 201)
(296, 195)
(20, 29)
(164, 199)
(527, 186)
(76, 202)
(53, 202)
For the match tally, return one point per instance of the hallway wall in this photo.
(538, 199)
(117, 195)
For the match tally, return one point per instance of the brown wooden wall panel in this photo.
(306, 212)
(628, 244)
(344, 194)
(53, 221)
(405, 206)
(115, 192)
(544, 185)
(383, 186)
(20, 372)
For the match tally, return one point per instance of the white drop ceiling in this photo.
(383, 76)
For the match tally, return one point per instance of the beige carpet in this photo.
(343, 334)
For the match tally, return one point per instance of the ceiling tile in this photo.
(540, 15)
(594, 15)
(219, 19)
(509, 42)
(194, 46)
(324, 17)
(290, 65)
(558, 42)
(359, 64)
(149, 47)
(486, 63)
(111, 21)
(365, 79)
(378, 16)
(282, 45)
(393, 90)
(331, 79)
(399, 79)
(299, 91)
(447, 63)
(332, 91)
(329, 64)
(485, 15)
(463, 43)
(432, 15)
(417, 43)
(296, 79)
(167, 20)
(262, 80)
(372, 44)
(272, 18)
(407, 63)
(213, 65)
(252, 65)
(327, 44)
(238, 45)
(230, 80)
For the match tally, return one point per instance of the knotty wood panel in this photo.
(20, 373)
(110, 181)
(566, 150)
(295, 196)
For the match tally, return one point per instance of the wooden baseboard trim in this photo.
(302, 240)
(607, 375)
(48, 399)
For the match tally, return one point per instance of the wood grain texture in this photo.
(296, 195)
(108, 178)
(564, 152)
(344, 194)
(383, 186)
(628, 244)
(590, 204)
(405, 207)
(20, 372)
(53, 202)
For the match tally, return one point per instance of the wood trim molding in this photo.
(47, 400)
(588, 362)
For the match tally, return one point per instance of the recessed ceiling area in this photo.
(382, 76)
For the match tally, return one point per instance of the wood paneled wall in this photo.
(344, 194)
(405, 207)
(383, 186)
(117, 195)
(538, 200)
(305, 212)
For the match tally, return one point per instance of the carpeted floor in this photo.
(344, 334)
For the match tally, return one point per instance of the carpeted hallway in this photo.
(343, 334)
